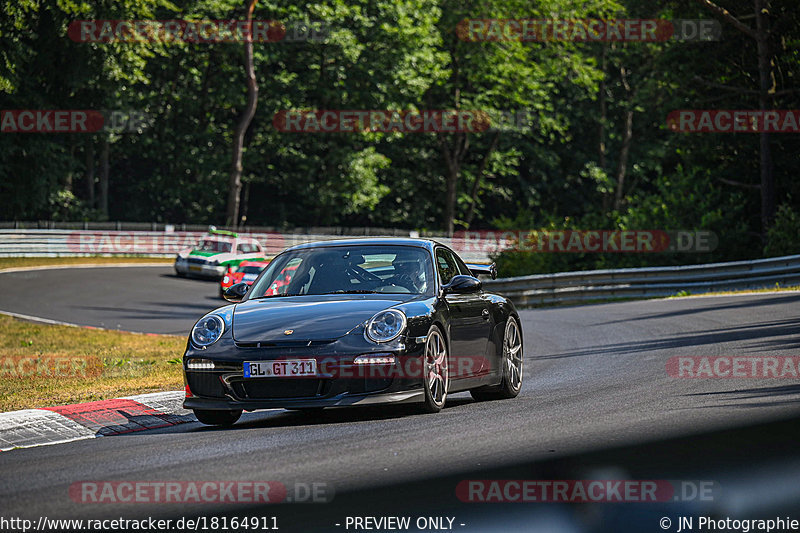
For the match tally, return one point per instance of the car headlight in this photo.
(386, 325)
(208, 330)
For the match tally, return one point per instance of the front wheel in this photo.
(436, 377)
(512, 367)
(217, 418)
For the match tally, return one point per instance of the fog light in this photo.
(200, 364)
(376, 359)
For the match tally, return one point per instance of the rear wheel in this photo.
(436, 377)
(512, 367)
(217, 418)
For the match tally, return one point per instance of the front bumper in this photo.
(205, 270)
(338, 383)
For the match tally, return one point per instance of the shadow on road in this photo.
(762, 332)
(343, 415)
(713, 306)
(735, 397)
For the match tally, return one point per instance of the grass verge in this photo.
(120, 364)
(680, 294)
(16, 262)
(776, 288)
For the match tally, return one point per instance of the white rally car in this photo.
(215, 253)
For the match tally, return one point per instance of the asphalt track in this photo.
(596, 403)
(142, 299)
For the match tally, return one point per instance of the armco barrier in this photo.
(576, 287)
(79, 242)
(565, 287)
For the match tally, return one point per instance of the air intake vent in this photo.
(283, 344)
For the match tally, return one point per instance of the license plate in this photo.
(249, 277)
(195, 268)
(280, 369)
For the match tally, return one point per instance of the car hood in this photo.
(309, 318)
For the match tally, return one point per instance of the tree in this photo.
(235, 180)
(766, 79)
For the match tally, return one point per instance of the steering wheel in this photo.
(405, 281)
(362, 274)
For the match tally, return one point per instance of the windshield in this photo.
(347, 270)
(250, 269)
(210, 245)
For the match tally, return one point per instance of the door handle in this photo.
(485, 314)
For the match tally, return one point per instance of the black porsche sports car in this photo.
(354, 322)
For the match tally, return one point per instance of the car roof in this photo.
(254, 263)
(428, 244)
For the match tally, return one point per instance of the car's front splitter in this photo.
(342, 400)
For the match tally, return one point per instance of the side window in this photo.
(446, 265)
(462, 267)
(247, 248)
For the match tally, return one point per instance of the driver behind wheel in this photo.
(408, 274)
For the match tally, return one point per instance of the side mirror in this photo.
(235, 293)
(462, 284)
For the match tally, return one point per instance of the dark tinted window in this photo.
(348, 269)
(446, 265)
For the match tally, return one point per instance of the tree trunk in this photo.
(104, 169)
(450, 198)
(90, 170)
(68, 182)
(453, 159)
(478, 177)
(235, 179)
(601, 133)
(764, 75)
(601, 129)
(622, 167)
(627, 136)
(761, 36)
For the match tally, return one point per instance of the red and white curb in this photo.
(67, 423)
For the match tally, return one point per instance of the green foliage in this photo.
(784, 235)
(557, 164)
